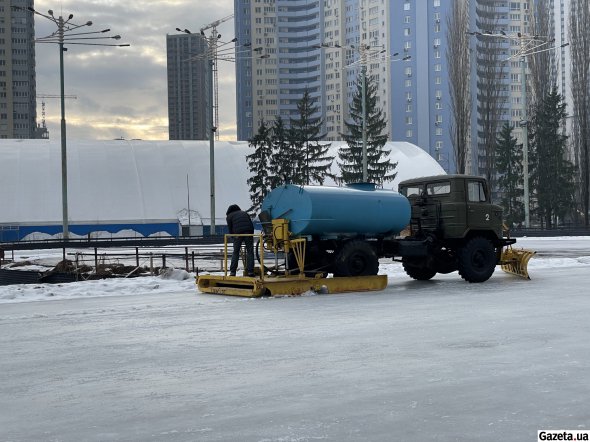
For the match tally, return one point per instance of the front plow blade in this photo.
(516, 261)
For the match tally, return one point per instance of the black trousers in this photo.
(235, 257)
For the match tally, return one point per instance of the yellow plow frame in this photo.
(253, 287)
(286, 284)
(515, 261)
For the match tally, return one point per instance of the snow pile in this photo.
(99, 288)
(175, 274)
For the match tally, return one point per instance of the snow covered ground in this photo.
(152, 359)
(551, 253)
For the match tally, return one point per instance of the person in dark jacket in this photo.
(239, 222)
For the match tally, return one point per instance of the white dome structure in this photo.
(146, 187)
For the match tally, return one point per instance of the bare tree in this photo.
(542, 66)
(492, 87)
(458, 60)
(541, 81)
(579, 21)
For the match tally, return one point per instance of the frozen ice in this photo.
(441, 360)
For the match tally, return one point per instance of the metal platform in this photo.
(253, 287)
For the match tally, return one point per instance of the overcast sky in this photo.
(122, 92)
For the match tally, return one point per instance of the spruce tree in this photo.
(314, 162)
(284, 158)
(260, 180)
(552, 173)
(510, 179)
(379, 166)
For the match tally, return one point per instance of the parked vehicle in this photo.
(436, 224)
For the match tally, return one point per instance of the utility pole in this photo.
(61, 36)
(365, 52)
(525, 138)
(212, 43)
(364, 111)
(212, 148)
(528, 45)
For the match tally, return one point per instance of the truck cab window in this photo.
(411, 191)
(476, 192)
(438, 188)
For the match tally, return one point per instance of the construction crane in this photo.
(43, 97)
(212, 56)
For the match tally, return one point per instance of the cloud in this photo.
(123, 91)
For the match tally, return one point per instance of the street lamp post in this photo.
(529, 45)
(64, 35)
(212, 148)
(364, 116)
(64, 157)
(212, 59)
(524, 124)
(365, 51)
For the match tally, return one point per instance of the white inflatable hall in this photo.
(137, 187)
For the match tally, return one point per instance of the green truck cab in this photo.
(453, 226)
(452, 206)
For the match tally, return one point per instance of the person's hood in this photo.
(232, 208)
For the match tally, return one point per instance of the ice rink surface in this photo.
(441, 360)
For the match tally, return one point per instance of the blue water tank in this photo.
(334, 211)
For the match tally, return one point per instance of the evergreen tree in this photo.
(379, 166)
(552, 173)
(282, 161)
(314, 163)
(260, 181)
(297, 157)
(510, 180)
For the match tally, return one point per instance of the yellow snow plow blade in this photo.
(516, 261)
(252, 287)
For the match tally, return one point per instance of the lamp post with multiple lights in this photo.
(528, 45)
(365, 52)
(62, 36)
(211, 51)
(213, 55)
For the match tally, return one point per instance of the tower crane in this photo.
(212, 56)
(43, 97)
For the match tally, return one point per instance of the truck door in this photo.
(479, 216)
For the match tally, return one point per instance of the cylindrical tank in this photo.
(333, 211)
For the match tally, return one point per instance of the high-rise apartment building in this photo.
(17, 70)
(287, 47)
(189, 111)
(420, 90)
(277, 59)
(510, 40)
(356, 35)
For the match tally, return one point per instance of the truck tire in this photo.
(416, 270)
(356, 258)
(477, 260)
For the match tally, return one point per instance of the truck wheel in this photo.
(417, 271)
(356, 258)
(477, 260)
